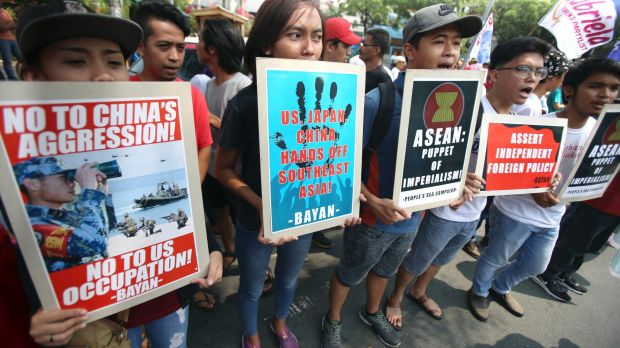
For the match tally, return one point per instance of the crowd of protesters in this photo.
(530, 236)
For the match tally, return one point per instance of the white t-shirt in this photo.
(469, 211)
(200, 81)
(531, 107)
(394, 73)
(523, 208)
(543, 103)
(355, 60)
(217, 99)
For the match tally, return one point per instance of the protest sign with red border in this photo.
(599, 162)
(88, 242)
(519, 154)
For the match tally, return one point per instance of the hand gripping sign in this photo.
(598, 162)
(102, 190)
(310, 126)
(437, 125)
(519, 154)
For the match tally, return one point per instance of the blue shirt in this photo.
(379, 175)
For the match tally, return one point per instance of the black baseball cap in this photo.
(436, 16)
(41, 25)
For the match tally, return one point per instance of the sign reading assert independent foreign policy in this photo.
(599, 162)
(438, 117)
(519, 154)
(100, 186)
(310, 123)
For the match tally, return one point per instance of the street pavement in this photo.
(590, 320)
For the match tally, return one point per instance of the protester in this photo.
(434, 42)
(536, 105)
(587, 88)
(376, 44)
(221, 48)
(339, 39)
(60, 41)
(80, 46)
(526, 225)
(8, 45)
(282, 29)
(162, 49)
(557, 65)
(375, 249)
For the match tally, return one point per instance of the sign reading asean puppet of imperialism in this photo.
(104, 199)
(310, 126)
(599, 162)
(436, 129)
(519, 154)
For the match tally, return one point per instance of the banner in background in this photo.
(580, 25)
(482, 46)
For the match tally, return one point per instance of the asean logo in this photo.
(612, 134)
(444, 106)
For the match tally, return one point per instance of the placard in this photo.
(519, 154)
(599, 161)
(310, 129)
(437, 120)
(103, 245)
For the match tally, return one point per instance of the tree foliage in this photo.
(512, 17)
(370, 12)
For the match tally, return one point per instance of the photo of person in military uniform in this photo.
(181, 219)
(148, 226)
(70, 225)
(128, 226)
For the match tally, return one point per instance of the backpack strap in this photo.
(479, 118)
(382, 122)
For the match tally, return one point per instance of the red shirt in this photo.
(610, 201)
(201, 115)
(168, 303)
(14, 308)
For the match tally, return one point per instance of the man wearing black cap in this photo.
(63, 41)
(375, 248)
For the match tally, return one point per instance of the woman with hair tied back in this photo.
(282, 29)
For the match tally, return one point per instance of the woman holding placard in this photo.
(282, 29)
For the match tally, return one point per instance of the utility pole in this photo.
(116, 8)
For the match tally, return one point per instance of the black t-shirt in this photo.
(240, 131)
(375, 76)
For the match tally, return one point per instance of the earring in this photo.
(268, 53)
